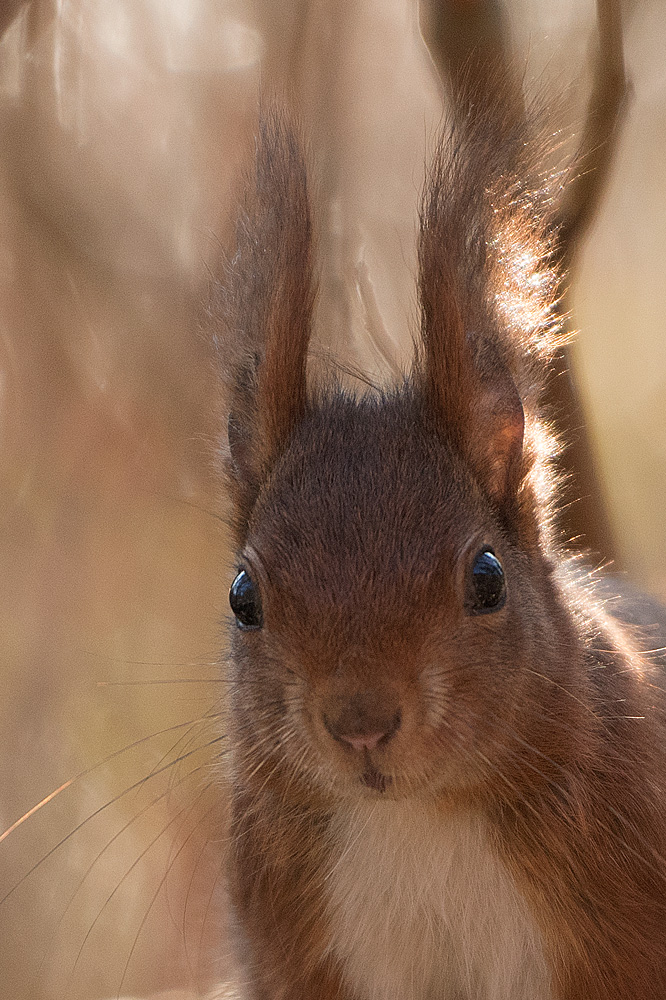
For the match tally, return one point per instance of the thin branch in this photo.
(600, 134)
(9, 10)
(469, 42)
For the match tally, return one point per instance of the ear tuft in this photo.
(487, 286)
(267, 302)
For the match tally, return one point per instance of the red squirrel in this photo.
(447, 757)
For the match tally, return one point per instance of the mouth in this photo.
(372, 778)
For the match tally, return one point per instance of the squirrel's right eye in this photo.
(245, 602)
(488, 583)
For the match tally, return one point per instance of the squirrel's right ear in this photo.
(267, 304)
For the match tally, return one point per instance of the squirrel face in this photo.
(392, 654)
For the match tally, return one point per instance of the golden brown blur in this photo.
(124, 127)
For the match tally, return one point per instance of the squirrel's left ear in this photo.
(473, 396)
(486, 290)
(469, 387)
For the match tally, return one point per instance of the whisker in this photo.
(117, 887)
(101, 854)
(86, 773)
(161, 885)
(98, 811)
(561, 687)
(209, 903)
(183, 924)
(45, 801)
(168, 680)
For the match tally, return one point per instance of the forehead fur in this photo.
(367, 495)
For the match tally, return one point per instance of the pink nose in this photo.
(368, 741)
(363, 730)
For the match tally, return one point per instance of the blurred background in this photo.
(125, 125)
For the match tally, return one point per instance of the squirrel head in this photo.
(394, 597)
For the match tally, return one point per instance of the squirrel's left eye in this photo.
(245, 601)
(488, 583)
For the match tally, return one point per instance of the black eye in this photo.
(245, 601)
(488, 583)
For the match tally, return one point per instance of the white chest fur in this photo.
(422, 909)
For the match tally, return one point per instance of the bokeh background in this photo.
(124, 128)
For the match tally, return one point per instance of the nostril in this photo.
(366, 742)
(396, 722)
(366, 737)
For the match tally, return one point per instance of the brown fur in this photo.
(267, 305)
(358, 521)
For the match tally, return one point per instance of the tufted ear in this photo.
(468, 385)
(267, 304)
(486, 290)
(471, 391)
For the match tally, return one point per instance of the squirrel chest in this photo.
(421, 908)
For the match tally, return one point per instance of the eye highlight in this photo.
(488, 584)
(245, 602)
